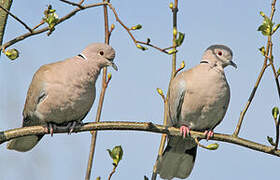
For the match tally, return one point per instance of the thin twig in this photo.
(69, 15)
(73, 4)
(237, 130)
(135, 126)
(101, 98)
(166, 113)
(198, 143)
(277, 134)
(16, 18)
(113, 171)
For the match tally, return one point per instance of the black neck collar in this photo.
(82, 56)
(204, 62)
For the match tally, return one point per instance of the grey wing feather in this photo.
(176, 99)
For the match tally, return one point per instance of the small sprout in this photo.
(160, 91)
(109, 78)
(262, 50)
(275, 28)
(51, 18)
(171, 5)
(180, 39)
(270, 140)
(138, 26)
(212, 146)
(182, 65)
(141, 47)
(275, 112)
(12, 54)
(174, 32)
(148, 40)
(112, 27)
(98, 178)
(278, 72)
(172, 51)
(116, 154)
(262, 14)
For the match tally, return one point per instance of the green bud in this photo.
(138, 26)
(275, 112)
(12, 54)
(266, 27)
(98, 178)
(212, 146)
(270, 140)
(171, 5)
(141, 47)
(278, 72)
(262, 50)
(275, 28)
(172, 51)
(262, 14)
(180, 39)
(116, 154)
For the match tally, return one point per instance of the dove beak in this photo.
(233, 64)
(114, 66)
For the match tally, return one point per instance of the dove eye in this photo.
(220, 53)
(101, 53)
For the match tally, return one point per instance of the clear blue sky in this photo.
(132, 96)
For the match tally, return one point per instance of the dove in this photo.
(62, 93)
(199, 98)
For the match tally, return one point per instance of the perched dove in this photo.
(62, 93)
(199, 99)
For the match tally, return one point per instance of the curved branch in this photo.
(137, 126)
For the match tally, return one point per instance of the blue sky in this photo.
(132, 95)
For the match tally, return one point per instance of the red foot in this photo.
(208, 134)
(184, 130)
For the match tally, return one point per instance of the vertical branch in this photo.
(3, 20)
(267, 52)
(101, 98)
(163, 137)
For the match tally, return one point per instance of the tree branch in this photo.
(7, 5)
(136, 126)
(64, 18)
(16, 18)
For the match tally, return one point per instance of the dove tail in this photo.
(23, 144)
(177, 161)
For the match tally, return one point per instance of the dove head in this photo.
(219, 55)
(101, 53)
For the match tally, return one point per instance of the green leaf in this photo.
(266, 27)
(116, 154)
(180, 39)
(137, 27)
(212, 146)
(12, 54)
(141, 47)
(262, 50)
(270, 140)
(275, 28)
(275, 112)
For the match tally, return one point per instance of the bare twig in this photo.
(16, 18)
(277, 134)
(267, 52)
(113, 171)
(136, 126)
(69, 15)
(163, 137)
(101, 98)
(73, 4)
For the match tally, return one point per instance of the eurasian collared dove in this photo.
(199, 98)
(62, 93)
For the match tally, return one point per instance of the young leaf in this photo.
(138, 26)
(212, 146)
(275, 28)
(275, 112)
(180, 39)
(266, 27)
(172, 51)
(262, 50)
(116, 154)
(141, 47)
(270, 140)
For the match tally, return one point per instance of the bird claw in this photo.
(72, 126)
(208, 134)
(184, 130)
(52, 127)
